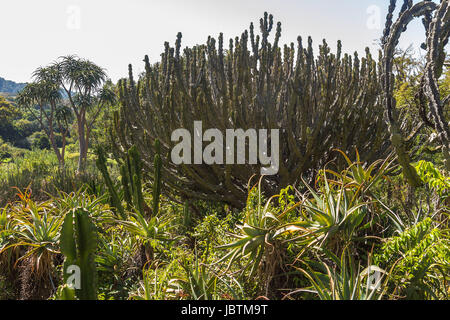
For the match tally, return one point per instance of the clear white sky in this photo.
(113, 33)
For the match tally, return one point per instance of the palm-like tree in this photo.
(87, 90)
(45, 94)
(83, 82)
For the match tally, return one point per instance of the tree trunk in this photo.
(51, 136)
(82, 142)
(63, 152)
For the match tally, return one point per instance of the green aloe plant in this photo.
(34, 227)
(344, 281)
(8, 229)
(262, 238)
(331, 216)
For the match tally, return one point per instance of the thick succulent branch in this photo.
(390, 41)
(437, 39)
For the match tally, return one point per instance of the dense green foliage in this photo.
(326, 239)
(358, 211)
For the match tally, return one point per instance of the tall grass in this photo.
(39, 171)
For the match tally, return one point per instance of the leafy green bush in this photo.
(420, 259)
(5, 151)
(26, 127)
(433, 178)
(41, 142)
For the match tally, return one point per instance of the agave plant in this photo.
(338, 207)
(154, 228)
(158, 284)
(147, 231)
(39, 230)
(359, 176)
(199, 284)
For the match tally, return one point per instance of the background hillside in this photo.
(10, 87)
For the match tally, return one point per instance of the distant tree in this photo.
(7, 110)
(84, 84)
(26, 127)
(42, 99)
(42, 142)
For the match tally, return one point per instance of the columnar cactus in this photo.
(131, 181)
(319, 103)
(78, 245)
(157, 163)
(136, 178)
(114, 195)
(124, 172)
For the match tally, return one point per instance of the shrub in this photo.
(420, 261)
(40, 141)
